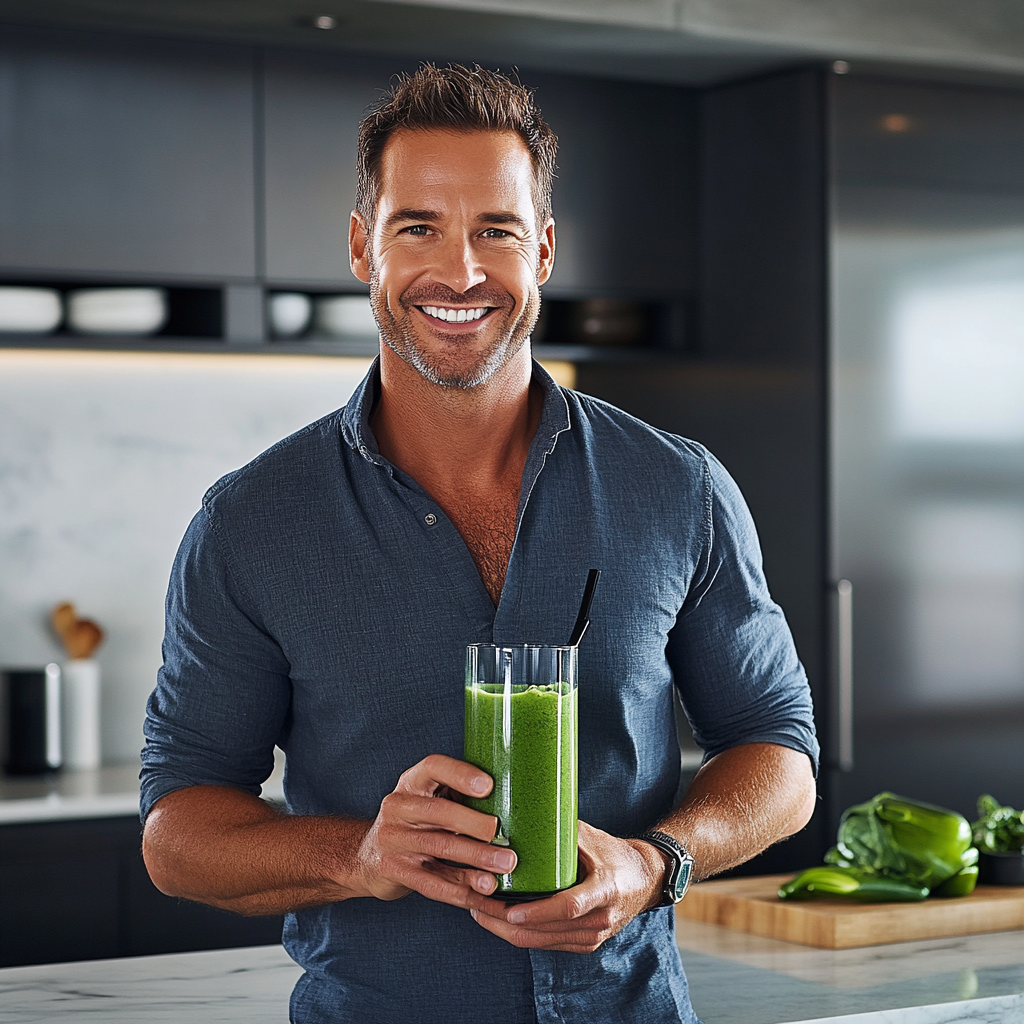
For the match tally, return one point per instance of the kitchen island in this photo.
(735, 979)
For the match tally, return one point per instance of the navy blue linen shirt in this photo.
(322, 601)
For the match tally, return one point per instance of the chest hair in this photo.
(488, 526)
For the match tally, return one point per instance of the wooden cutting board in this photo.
(752, 905)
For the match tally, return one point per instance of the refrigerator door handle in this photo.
(844, 622)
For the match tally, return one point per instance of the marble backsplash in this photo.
(104, 459)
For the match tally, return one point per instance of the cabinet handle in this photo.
(844, 621)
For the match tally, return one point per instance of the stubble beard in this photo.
(510, 332)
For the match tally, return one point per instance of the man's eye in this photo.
(496, 233)
(415, 229)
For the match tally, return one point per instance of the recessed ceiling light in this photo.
(325, 21)
(840, 67)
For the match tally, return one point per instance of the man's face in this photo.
(455, 256)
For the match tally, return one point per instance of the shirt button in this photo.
(430, 519)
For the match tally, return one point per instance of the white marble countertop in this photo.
(737, 978)
(734, 979)
(104, 793)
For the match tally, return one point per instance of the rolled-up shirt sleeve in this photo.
(223, 695)
(731, 651)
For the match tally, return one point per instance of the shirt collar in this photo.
(355, 417)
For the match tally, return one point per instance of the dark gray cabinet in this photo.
(312, 106)
(625, 198)
(78, 890)
(124, 156)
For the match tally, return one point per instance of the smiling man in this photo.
(323, 598)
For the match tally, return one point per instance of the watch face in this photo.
(682, 881)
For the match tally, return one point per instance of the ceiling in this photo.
(682, 41)
(645, 52)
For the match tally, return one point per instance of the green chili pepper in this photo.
(960, 884)
(998, 829)
(829, 882)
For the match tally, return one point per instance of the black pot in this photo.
(1001, 868)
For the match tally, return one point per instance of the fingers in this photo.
(418, 833)
(582, 935)
(420, 812)
(437, 771)
(610, 894)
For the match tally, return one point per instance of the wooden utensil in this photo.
(80, 637)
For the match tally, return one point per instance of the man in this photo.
(323, 598)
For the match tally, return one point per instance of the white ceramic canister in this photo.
(344, 316)
(81, 713)
(29, 310)
(289, 313)
(117, 310)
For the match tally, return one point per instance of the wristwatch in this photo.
(680, 870)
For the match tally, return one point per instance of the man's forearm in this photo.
(740, 803)
(231, 850)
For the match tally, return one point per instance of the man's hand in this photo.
(230, 849)
(619, 879)
(419, 829)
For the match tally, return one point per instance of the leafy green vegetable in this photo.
(998, 829)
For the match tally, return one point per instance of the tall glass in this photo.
(521, 728)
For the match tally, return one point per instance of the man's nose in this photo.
(457, 265)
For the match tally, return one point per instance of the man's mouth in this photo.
(455, 316)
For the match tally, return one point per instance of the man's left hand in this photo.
(619, 878)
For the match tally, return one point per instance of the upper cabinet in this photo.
(623, 199)
(312, 107)
(125, 156)
(625, 194)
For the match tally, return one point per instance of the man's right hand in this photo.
(419, 831)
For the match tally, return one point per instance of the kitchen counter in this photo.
(109, 792)
(735, 979)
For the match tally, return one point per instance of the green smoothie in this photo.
(526, 740)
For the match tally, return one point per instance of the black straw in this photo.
(583, 619)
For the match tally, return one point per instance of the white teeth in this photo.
(457, 316)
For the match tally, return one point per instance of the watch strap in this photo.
(680, 869)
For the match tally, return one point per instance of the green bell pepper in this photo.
(906, 839)
(863, 886)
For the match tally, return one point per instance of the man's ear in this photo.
(546, 256)
(358, 253)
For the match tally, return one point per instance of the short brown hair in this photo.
(456, 99)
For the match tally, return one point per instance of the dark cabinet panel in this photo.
(125, 156)
(764, 221)
(78, 890)
(59, 893)
(312, 107)
(625, 195)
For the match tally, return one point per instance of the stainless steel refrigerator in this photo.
(926, 439)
